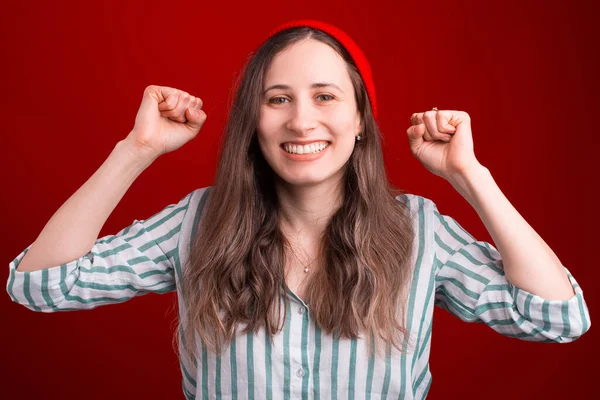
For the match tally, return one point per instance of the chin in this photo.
(303, 181)
(306, 178)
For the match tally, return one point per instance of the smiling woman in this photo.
(302, 272)
(311, 175)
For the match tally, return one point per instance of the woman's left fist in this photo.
(442, 141)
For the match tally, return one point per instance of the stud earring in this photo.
(358, 137)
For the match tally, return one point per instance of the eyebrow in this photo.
(313, 86)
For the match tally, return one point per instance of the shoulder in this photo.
(196, 200)
(417, 204)
(194, 203)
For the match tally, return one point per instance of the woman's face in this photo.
(300, 115)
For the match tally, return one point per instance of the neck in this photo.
(306, 210)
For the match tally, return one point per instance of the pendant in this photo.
(306, 269)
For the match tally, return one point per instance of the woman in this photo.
(301, 273)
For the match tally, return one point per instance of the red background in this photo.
(73, 75)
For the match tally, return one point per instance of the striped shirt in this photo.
(451, 270)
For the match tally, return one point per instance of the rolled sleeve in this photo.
(546, 320)
(136, 261)
(471, 284)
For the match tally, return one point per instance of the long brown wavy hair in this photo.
(235, 271)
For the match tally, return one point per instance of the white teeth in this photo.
(306, 149)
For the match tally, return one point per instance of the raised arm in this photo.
(68, 267)
(165, 121)
(73, 229)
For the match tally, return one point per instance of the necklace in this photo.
(305, 266)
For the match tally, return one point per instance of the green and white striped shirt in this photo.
(452, 270)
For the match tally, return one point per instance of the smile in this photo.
(315, 147)
(314, 151)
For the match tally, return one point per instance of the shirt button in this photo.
(300, 372)
(301, 310)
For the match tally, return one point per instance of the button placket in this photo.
(302, 369)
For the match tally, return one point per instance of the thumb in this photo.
(415, 137)
(195, 118)
(157, 95)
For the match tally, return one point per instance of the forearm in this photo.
(74, 228)
(528, 261)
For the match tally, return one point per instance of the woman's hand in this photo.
(166, 120)
(442, 142)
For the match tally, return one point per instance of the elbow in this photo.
(578, 327)
(571, 332)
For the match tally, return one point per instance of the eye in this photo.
(274, 100)
(326, 95)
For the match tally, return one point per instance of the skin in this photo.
(309, 192)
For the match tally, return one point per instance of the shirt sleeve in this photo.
(136, 261)
(470, 284)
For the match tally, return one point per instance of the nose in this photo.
(303, 116)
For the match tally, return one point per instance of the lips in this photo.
(306, 156)
(305, 149)
(305, 143)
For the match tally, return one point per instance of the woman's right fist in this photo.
(167, 119)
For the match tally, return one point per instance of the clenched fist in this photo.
(166, 120)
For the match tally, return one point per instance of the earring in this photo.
(358, 137)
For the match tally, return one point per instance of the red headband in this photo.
(357, 55)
